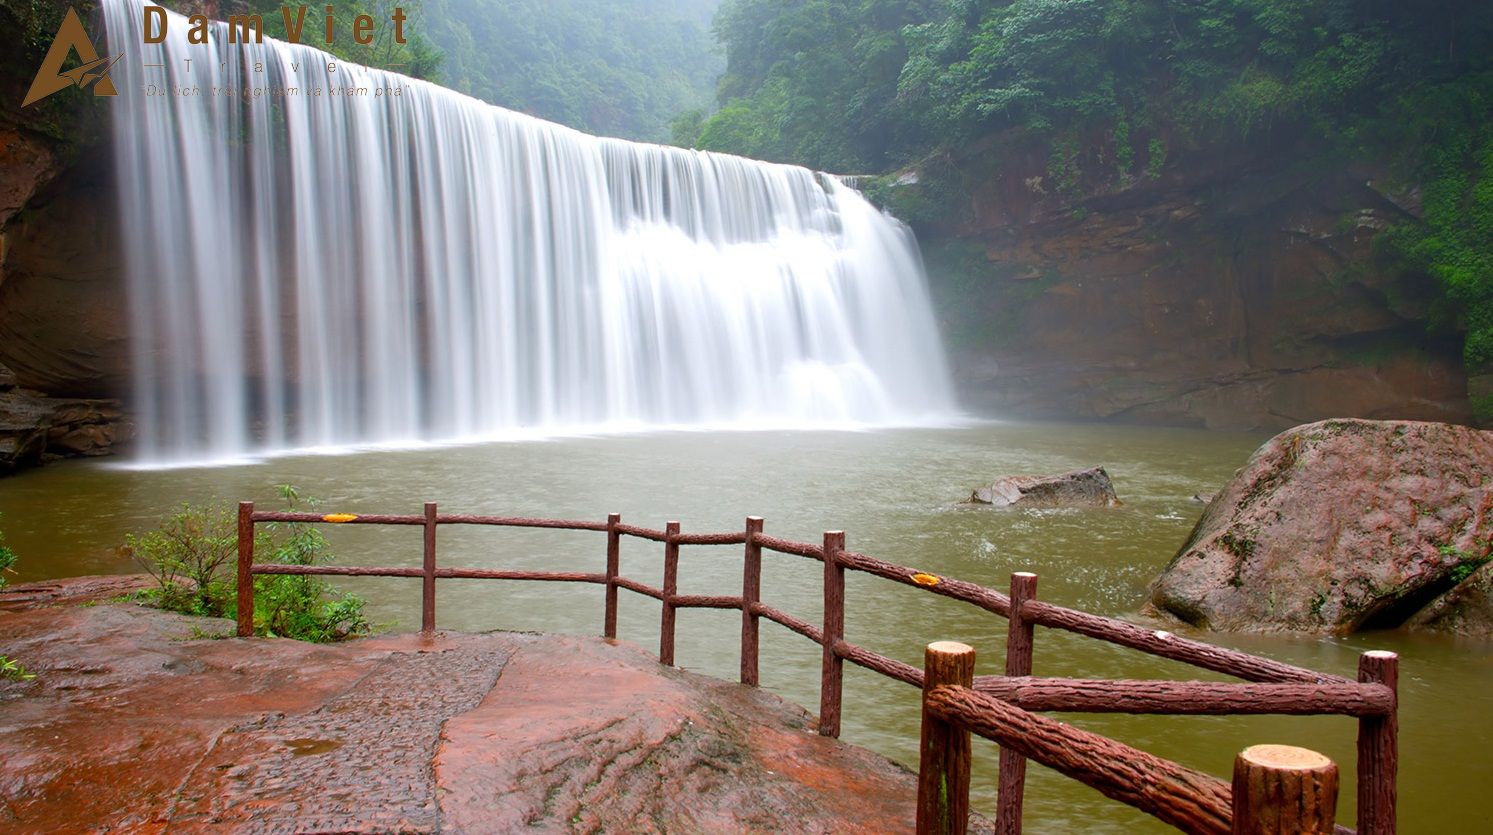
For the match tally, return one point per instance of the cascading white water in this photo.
(345, 256)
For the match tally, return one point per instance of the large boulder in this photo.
(1344, 525)
(1076, 488)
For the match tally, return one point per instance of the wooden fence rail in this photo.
(1273, 687)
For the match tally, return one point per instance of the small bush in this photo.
(298, 606)
(187, 556)
(191, 556)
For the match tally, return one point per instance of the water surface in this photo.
(894, 493)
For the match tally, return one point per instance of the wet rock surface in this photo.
(1344, 525)
(1078, 488)
(138, 722)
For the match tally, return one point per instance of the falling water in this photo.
(333, 256)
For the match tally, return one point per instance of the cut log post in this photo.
(1284, 790)
(671, 590)
(1189, 800)
(832, 670)
(614, 566)
(943, 764)
(245, 569)
(427, 591)
(751, 594)
(1019, 639)
(1378, 749)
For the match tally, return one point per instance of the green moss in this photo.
(1155, 158)
(1319, 600)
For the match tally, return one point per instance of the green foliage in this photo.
(186, 555)
(870, 85)
(814, 82)
(190, 556)
(7, 560)
(416, 57)
(622, 68)
(298, 606)
(1453, 239)
(1155, 158)
(13, 670)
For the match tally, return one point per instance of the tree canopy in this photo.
(612, 67)
(870, 85)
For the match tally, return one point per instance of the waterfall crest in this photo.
(326, 256)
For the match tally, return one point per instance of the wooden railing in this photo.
(998, 707)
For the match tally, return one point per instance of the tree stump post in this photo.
(1019, 638)
(1378, 749)
(671, 591)
(614, 561)
(1284, 790)
(832, 670)
(944, 758)
(751, 593)
(245, 569)
(427, 589)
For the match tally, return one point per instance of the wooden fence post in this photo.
(944, 758)
(832, 671)
(671, 590)
(1019, 636)
(614, 562)
(1378, 749)
(1284, 790)
(427, 596)
(751, 593)
(245, 566)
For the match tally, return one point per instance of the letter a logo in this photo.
(94, 70)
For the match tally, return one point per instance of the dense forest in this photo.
(609, 67)
(623, 68)
(875, 85)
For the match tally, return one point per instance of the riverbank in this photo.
(139, 718)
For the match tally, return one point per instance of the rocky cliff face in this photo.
(1229, 287)
(62, 306)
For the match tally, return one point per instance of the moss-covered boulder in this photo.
(1345, 525)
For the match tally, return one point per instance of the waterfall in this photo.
(330, 256)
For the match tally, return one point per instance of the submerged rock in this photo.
(1077, 488)
(1344, 525)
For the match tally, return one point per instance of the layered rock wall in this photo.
(1234, 286)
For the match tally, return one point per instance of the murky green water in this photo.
(894, 494)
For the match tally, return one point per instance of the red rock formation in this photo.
(136, 722)
(1237, 288)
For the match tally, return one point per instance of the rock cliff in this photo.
(1231, 286)
(63, 326)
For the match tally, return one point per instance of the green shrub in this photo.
(191, 556)
(187, 556)
(297, 606)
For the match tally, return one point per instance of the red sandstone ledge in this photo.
(134, 724)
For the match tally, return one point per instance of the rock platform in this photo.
(145, 721)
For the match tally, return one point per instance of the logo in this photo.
(94, 70)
